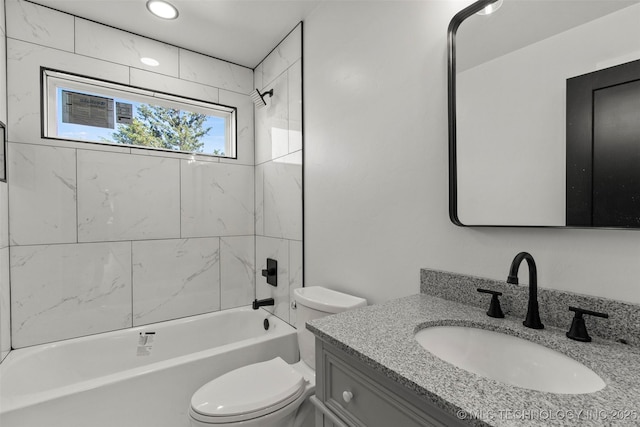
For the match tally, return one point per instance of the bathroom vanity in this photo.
(371, 371)
(347, 389)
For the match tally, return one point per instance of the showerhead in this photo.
(258, 98)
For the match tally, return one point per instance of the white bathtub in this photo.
(106, 380)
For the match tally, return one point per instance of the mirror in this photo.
(527, 107)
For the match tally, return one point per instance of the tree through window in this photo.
(78, 108)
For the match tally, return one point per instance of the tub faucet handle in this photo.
(271, 272)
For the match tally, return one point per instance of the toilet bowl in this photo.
(272, 393)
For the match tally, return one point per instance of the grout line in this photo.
(125, 149)
(77, 199)
(179, 64)
(289, 284)
(180, 198)
(132, 307)
(255, 207)
(279, 157)
(129, 240)
(219, 273)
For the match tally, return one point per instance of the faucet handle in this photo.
(578, 330)
(271, 272)
(494, 308)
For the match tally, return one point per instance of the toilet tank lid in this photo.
(327, 300)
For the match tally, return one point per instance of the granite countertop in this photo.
(382, 337)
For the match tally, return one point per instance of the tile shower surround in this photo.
(278, 173)
(108, 237)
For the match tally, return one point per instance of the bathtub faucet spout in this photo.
(262, 302)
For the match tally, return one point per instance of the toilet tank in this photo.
(314, 302)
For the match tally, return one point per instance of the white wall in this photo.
(5, 319)
(376, 184)
(106, 237)
(279, 173)
(511, 121)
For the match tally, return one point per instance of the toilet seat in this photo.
(248, 392)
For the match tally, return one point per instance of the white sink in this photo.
(509, 359)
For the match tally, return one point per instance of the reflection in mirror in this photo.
(509, 118)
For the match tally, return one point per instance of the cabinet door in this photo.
(364, 403)
(364, 398)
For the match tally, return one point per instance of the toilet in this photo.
(272, 393)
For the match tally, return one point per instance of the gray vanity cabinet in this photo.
(349, 393)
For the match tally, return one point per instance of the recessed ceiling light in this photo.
(149, 61)
(162, 9)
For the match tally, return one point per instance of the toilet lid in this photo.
(248, 390)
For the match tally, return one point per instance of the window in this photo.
(84, 109)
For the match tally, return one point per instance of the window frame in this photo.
(52, 80)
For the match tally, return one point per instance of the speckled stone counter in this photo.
(382, 337)
(622, 325)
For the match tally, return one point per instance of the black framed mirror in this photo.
(525, 149)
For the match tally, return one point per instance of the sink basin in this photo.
(509, 359)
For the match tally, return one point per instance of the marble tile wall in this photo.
(62, 291)
(5, 319)
(156, 274)
(278, 173)
(108, 237)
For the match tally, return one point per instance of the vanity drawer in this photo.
(360, 401)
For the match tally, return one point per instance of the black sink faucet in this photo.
(533, 315)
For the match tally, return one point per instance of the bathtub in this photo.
(139, 377)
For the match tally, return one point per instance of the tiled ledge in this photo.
(623, 324)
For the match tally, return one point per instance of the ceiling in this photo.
(239, 31)
(519, 23)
